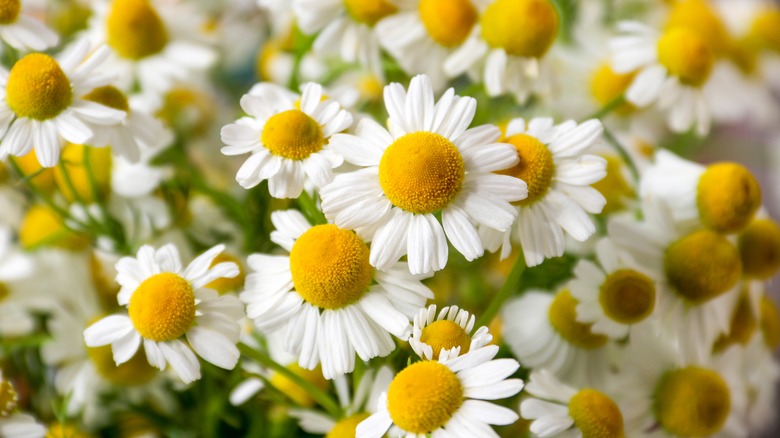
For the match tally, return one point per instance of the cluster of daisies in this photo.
(403, 218)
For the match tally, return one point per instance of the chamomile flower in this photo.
(23, 32)
(759, 249)
(446, 398)
(166, 302)
(329, 302)
(553, 162)
(13, 423)
(428, 162)
(37, 116)
(288, 136)
(446, 335)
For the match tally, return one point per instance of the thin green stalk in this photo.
(621, 150)
(510, 286)
(612, 105)
(39, 194)
(309, 207)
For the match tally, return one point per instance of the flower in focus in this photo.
(446, 335)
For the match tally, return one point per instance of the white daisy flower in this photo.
(559, 174)
(428, 162)
(33, 116)
(166, 302)
(558, 410)
(22, 32)
(326, 298)
(446, 398)
(288, 136)
(613, 295)
(446, 335)
(13, 423)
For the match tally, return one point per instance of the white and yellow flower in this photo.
(23, 32)
(446, 335)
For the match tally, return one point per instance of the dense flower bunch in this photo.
(367, 218)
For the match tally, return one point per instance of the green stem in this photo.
(39, 194)
(621, 150)
(612, 105)
(310, 210)
(510, 286)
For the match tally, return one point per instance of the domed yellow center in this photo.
(448, 22)
(536, 167)
(444, 334)
(728, 196)
(563, 318)
(596, 415)
(9, 399)
(330, 267)
(109, 96)
(524, 28)
(292, 134)
(701, 266)
(686, 55)
(224, 284)
(136, 371)
(291, 389)
(421, 172)
(698, 16)
(163, 307)
(9, 11)
(134, 29)
(627, 296)
(37, 87)
(770, 323)
(743, 324)
(346, 428)
(766, 29)
(759, 248)
(424, 396)
(76, 181)
(606, 86)
(692, 401)
(369, 11)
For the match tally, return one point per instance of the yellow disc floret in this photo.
(728, 196)
(136, 371)
(444, 334)
(84, 174)
(109, 96)
(369, 11)
(292, 134)
(163, 307)
(702, 266)
(424, 396)
(596, 415)
(692, 401)
(744, 323)
(346, 428)
(766, 29)
(421, 172)
(563, 318)
(606, 86)
(627, 296)
(134, 29)
(9, 11)
(291, 389)
(770, 323)
(536, 166)
(699, 16)
(524, 28)
(37, 87)
(687, 55)
(9, 399)
(759, 247)
(225, 284)
(448, 22)
(330, 267)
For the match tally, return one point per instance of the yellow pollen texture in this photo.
(346, 428)
(424, 396)
(596, 415)
(606, 86)
(563, 318)
(292, 134)
(448, 22)
(759, 248)
(627, 296)
(692, 402)
(109, 96)
(9, 11)
(291, 389)
(699, 16)
(770, 323)
(728, 196)
(136, 371)
(37, 87)
(134, 29)
(766, 29)
(445, 334)
(73, 178)
(421, 172)
(163, 307)
(743, 324)
(8, 398)
(330, 267)
(702, 265)
(536, 167)
(686, 55)
(369, 11)
(524, 28)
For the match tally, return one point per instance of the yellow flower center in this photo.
(444, 334)
(187, 110)
(759, 248)
(9, 399)
(74, 180)
(163, 307)
(134, 29)
(330, 267)
(9, 11)
(563, 318)
(424, 396)
(62, 430)
(743, 324)
(692, 401)
(291, 389)
(536, 166)
(40, 177)
(744, 53)
(615, 188)
(770, 323)
(369, 11)
(37, 88)
(627, 296)
(136, 371)
(224, 284)
(346, 428)
(686, 55)
(524, 28)
(448, 22)
(43, 226)
(4, 291)
(606, 86)
(701, 266)
(596, 415)
(109, 96)
(728, 196)
(766, 29)
(698, 16)
(292, 134)
(421, 172)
